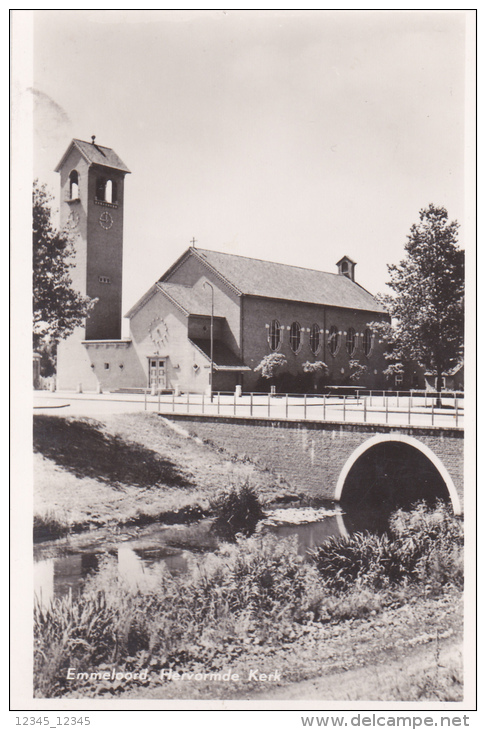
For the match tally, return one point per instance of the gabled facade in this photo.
(254, 307)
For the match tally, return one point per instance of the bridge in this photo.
(364, 451)
(360, 463)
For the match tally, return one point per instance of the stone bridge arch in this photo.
(382, 465)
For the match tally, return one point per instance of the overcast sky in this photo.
(293, 136)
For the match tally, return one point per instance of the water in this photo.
(143, 554)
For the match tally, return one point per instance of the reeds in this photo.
(257, 590)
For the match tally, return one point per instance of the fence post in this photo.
(409, 410)
(324, 407)
(251, 403)
(202, 403)
(457, 411)
(218, 401)
(234, 404)
(268, 405)
(383, 398)
(432, 412)
(286, 405)
(344, 408)
(305, 406)
(145, 400)
(173, 401)
(364, 408)
(386, 410)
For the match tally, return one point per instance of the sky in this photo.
(293, 136)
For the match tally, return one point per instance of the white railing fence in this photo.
(376, 407)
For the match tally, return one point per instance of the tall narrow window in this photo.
(367, 342)
(351, 341)
(315, 339)
(100, 188)
(274, 335)
(108, 191)
(73, 185)
(295, 336)
(333, 341)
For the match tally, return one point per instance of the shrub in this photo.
(424, 545)
(237, 511)
(362, 557)
(430, 543)
(49, 527)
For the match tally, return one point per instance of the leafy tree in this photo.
(357, 371)
(270, 365)
(57, 308)
(315, 369)
(427, 307)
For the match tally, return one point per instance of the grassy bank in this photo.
(129, 469)
(258, 603)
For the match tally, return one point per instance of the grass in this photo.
(255, 592)
(50, 526)
(131, 470)
(86, 448)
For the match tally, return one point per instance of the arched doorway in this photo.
(391, 471)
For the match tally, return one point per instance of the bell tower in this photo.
(92, 195)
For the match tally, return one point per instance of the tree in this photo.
(315, 369)
(357, 371)
(270, 365)
(427, 307)
(57, 308)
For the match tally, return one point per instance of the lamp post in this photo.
(211, 341)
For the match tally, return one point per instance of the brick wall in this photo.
(311, 455)
(258, 313)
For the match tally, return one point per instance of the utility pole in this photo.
(211, 341)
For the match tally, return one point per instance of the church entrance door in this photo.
(157, 372)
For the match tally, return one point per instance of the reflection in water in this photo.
(60, 575)
(312, 534)
(144, 555)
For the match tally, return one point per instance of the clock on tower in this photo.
(92, 197)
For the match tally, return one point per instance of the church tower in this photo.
(92, 180)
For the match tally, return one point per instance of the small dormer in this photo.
(346, 267)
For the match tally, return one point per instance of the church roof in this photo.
(223, 357)
(258, 278)
(189, 300)
(95, 154)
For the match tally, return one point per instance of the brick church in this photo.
(256, 307)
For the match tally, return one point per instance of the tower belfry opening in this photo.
(92, 186)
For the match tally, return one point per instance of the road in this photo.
(391, 410)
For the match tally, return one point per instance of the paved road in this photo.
(378, 410)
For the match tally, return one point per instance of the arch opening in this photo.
(388, 472)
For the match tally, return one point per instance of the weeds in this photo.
(424, 546)
(257, 590)
(237, 511)
(49, 526)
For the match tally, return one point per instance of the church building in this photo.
(238, 309)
